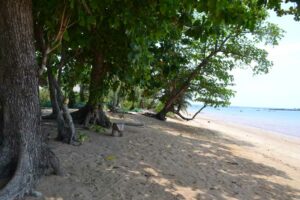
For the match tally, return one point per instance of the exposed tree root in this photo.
(27, 171)
(89, 115)
(162, 114)
(155, 116)
(20, 183)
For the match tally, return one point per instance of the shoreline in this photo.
(248, 126)
(268, 143)
(252, 122)
(276, 120)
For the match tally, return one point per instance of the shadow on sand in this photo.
(155, 163)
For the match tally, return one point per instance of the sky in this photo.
(280, 88)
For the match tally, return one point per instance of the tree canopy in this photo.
(139, 52)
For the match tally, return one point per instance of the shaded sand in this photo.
(176, 160)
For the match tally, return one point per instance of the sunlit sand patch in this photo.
(151, 171)
(166, 130)
(54, 198)
(134, 172)
(187, 193)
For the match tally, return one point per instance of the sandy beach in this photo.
(200, 159)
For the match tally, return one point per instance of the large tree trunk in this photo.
(23, 150)
(168, 107)
(92, 112)
(161, 115)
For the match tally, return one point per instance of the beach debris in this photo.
(232, 163)
(119, 128)
(110, 158)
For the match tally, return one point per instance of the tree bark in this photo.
(65, 125)
(161, 115)
(72, 98)
(53, 98)
(81, 93)
(92, 112)
(169, 104)
(177, 92)
(23, 149)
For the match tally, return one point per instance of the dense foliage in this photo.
(128, 53)
(122, 52)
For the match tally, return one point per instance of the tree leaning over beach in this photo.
(208, 56)
(24, 153)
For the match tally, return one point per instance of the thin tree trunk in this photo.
(70, 134)
(72, 98)
(65, 125)
(54, 104)
(23, 149)
(81, 93)
(59, 117)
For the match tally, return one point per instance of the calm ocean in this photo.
(281, 121)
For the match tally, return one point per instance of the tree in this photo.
(212, 51)
(49, 37)
(23, 149)
(118, 35)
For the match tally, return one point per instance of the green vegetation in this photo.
(82, 137)
(125, 55)
(97, 128)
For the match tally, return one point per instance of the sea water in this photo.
(276, 120)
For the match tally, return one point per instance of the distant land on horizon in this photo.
(268, 108)
(285, 109)
(254, 107)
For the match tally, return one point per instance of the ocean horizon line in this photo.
(280, 120)
(252, 107)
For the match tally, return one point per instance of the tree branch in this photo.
(188, 119)
(86, 7)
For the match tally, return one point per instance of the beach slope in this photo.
(202, 159)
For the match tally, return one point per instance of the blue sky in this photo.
(280, 88)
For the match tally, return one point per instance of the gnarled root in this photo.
(31, 165)
(91, 115)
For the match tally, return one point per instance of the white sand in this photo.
(177, 160)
